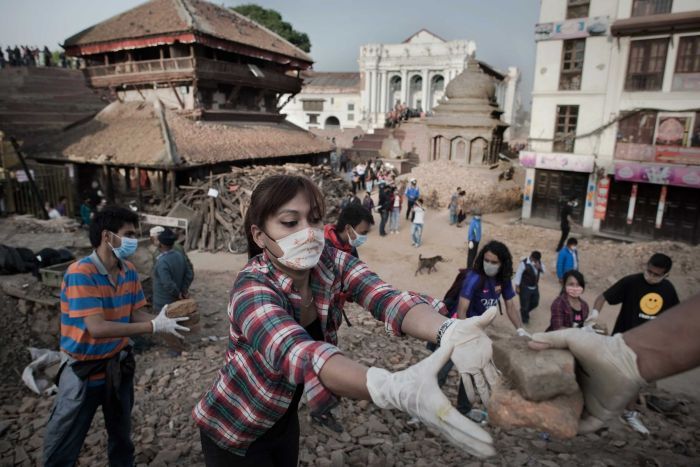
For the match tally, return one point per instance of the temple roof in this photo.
(145, 134)
(170, 19)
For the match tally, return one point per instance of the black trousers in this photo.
(280, 451)
(565, 229)
(409, 206)
(382, 223)
(529, 300)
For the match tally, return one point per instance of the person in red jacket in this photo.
(354, 223)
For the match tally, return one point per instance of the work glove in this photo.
(471, 244)
(609, 376)
(473, 354)
(592, 317)
(523, 333)
(415, 391)
(164, 325)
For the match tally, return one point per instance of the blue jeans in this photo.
(453, 217)
(72, 414)
(394, 219)
(416, 233)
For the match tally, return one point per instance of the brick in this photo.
(558, 416)
(186, 307)
(537, 375)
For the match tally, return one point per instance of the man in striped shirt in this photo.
(101, 298)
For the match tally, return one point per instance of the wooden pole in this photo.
(35, 190)
(138, 188)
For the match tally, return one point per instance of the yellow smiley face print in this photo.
(651, 303)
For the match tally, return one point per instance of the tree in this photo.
(273, 21)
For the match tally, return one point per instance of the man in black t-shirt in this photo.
(643, 297)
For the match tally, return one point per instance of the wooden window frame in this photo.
(571, 68)
(567, 129)
(691, 54)
(572, 6)
(637, 11)
(638, 80)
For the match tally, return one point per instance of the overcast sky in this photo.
(502, 29)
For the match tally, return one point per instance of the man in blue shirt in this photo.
(172, 276)
(567, 258)
(473, 237)
(412, 194)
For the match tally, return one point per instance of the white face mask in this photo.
(358, 241)
(491, 269)
(301, 250)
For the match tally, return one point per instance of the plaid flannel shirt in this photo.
(563, 315)
(270, 353)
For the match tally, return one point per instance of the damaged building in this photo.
(196, 88)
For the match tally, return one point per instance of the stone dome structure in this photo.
(471, 83)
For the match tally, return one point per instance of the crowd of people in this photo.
(400, 113)
(285, 309)
(28, 56)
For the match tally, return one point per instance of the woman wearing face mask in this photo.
(284, 320)
(569, 310)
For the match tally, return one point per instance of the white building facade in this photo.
(636, 173)
(414, 72)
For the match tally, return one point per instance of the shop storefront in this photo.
(553, 178)
(654, 201)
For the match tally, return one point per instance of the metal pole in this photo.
(37, 195)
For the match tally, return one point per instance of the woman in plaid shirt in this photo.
(285, 312)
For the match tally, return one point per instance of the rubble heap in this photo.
(26, 223)
(484, 190)
(219, 203)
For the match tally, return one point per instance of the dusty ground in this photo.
(167, 387)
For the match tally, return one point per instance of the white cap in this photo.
(413, 180)
(155, 231)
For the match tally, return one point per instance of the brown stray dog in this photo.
(428, 263)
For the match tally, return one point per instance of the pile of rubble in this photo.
(486, 189)
(26, 223)
(216, 206)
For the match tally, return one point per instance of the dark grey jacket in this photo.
(172, 276)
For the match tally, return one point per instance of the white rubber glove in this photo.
(416, 392)
(473, 354)
(523, 333)
(592, 317)
(609, 378)
(471, 244)
(164, 325)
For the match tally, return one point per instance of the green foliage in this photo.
(273, 21)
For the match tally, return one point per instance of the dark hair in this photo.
(462, 193)
(501, 250)
(576, 275)
(167, 237)
(536, 255)
(353, 215)
(660, 260)
(271, 194)
(111, 218)
(420, 200)
(572, 241)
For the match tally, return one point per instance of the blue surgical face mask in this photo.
(359, 239)
(127, 247)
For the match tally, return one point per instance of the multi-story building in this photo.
(615, 117)
(196, 88)
(414, 73)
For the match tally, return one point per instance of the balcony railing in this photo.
(148, 71)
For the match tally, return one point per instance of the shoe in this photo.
(327, 420)
(632, 419)
(413, 244)
(413, 421)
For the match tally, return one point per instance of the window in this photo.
(313, 105)
(577, 8)
(688, 55)
(651, 7)
(313, 118)
(565, 129)
(351, 117)
(351, 107)
(637, 128)
(645, 69)
(572, 64)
